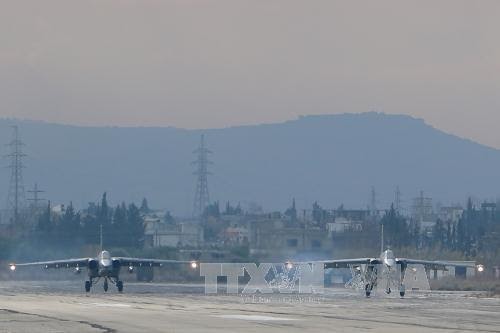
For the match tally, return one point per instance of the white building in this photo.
(159, 233)
(342, 224)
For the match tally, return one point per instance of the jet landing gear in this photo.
(116, 282)
(119, 285)
(88, 285)
(402, 288)
(368, 289)
(402, 291)
(371, 278)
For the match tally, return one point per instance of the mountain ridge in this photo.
(300, 117)
(334, 159)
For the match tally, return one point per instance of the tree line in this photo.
(122, 226)
(474, 235)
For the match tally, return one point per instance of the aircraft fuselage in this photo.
(388, 259)
(104, 266)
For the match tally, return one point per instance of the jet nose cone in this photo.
(390, 262)
(106, 262)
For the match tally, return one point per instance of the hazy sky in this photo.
(201, 63)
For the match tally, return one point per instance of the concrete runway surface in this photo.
(34, 306)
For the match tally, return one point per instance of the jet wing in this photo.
(141, 262)
(441, 265)
(342, 263)
(67, 263)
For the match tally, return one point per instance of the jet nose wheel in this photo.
(87, 286)
(368, 290)
(105, 285)
(388, 291)
(119, 285)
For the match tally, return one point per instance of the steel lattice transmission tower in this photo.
(422, 208)
(16, 196)
(201, 198)
(36, 198)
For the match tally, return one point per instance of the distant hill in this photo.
(334, 159)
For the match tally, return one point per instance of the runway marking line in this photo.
(108, 305)
(255, 318)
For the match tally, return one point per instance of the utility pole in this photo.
(201, 198)
(16, 196)
(373, 205)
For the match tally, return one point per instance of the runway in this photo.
(34, 306)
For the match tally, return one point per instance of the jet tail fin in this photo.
(381, 238)
(100, 237)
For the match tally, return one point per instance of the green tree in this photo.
(292, 211)
(466, 232)
(396, 229)
(91, 223)
(318, 213)
(68, 226)
(104, 218)
(168, 218)
(135, 227)
(230, 210)
(45, 225)
(144, 206)
(119, 226)
(212, 210)
(439, 234)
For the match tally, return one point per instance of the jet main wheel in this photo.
(87, 286)
(119, 285)
(105, 285)
(368, 290)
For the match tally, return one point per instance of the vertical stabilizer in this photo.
(100, 237)
(381, 238)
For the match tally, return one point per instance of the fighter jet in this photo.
(385, 265)
(104, 266)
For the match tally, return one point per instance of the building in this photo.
(423, 213)
(235, 236)
(464, 270)
(342, 224)
(273, 238)
(184, 234)
(451, 214)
